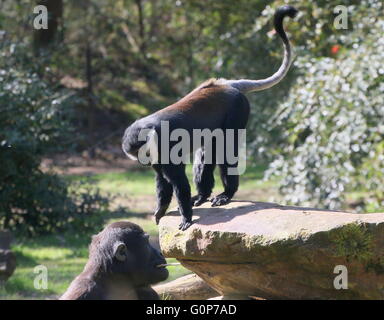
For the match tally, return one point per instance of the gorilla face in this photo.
(143, 261)
(127, 252)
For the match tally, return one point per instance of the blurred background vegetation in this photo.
(67, 94)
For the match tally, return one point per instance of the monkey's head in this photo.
(131, 143)
(123, 249)
(141, 135)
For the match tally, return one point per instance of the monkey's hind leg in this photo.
(236, 119)
(203, 178)
(164, 192)
(231, 184)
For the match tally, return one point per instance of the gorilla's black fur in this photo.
(122, 265)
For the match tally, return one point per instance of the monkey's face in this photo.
(130, 143)
(140, 143)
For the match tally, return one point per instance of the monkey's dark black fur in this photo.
(121, 266)
(215, 104)
(280, 14)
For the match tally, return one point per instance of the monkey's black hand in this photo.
(198, 200)
(220, 200)
(160, 212)
(185, 224)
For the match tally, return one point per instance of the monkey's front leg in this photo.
(175, 174)
(164, 192)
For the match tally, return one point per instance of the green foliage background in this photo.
(34, 121)
(110, 62)
(331, 124)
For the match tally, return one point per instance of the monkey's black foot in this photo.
(185, 224)
(198, 200)
(220, 200)
(159, 214)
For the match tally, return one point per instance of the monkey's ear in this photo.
(120, 251)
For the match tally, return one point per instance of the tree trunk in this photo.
(139, 6)
(90, 96)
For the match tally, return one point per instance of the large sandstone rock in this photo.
(279, 252)
(7, 258)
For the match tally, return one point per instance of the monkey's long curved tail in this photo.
(245, 85)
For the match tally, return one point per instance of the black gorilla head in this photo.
(123, 248)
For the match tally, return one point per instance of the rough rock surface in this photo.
(189, 287)
(7, 258)
(280, 252)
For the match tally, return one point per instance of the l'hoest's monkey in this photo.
(215, 104)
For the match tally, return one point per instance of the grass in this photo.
(141, 182)
(134, 183)
(65, 255)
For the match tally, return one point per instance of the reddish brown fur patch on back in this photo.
(204, 100)
(206, 84)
